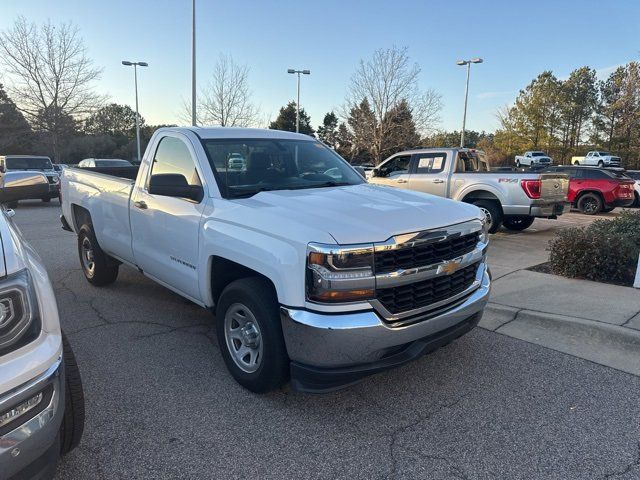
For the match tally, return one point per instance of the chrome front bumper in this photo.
(32, 438)
(347, 339)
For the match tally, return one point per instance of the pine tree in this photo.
(328, 131)
(287, 120)
(15, 132)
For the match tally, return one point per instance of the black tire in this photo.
(105, 268)
(493, 212)
(590, 204)
(517, 222)
(73, 421)
(46, 199)
(636, 202)
(518, 163)
(576, 163)
(254, 297)
(600, 164)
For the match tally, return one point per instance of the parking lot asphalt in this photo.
(160, 403)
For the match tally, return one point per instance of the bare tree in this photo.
(50, 75)
(226, 99)
(387, 80)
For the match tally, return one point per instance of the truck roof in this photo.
(237, 132)
(25, 156)
(438, 149)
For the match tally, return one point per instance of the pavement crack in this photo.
(515, 317)
(630, 318)
(634, 463)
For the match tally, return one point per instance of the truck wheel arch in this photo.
(223, 271)
(470, 197)
(80, 216)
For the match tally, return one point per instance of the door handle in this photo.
(402, 180)
(438, 180)
(142, 205)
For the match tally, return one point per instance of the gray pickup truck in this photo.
(511, 199)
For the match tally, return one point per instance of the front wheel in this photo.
(250, 335)
(73, 420)
(492, 212)
(518, 222)
(98, 267)
(590, 204)
(576, 163)
(600, 164)
(518, 163)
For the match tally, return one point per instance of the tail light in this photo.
(533, 188)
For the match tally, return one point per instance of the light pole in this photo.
(298, 72)
(466, 94)
(193, 63)
(135, 76)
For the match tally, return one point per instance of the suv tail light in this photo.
(533, 188)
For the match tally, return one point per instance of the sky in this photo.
(517, 40)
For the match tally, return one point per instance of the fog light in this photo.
(19, 410)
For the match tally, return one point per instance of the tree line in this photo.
(571, 116)
(50, 106)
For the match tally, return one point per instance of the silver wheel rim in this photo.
(590, 205)
(88, 259)
(487, 215)
(243, 337)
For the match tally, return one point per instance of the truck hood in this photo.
(358, 213)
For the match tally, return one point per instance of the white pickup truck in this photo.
(312, 273)
(534, 159)
(597, 158)
(512, 199)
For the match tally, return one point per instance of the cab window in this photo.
(396, 166)
(432, 162)
(173, 156)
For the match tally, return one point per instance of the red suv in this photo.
(593, 190)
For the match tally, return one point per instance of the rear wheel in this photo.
(46, 199)
(590, 204)
(492, 212)
(98, 267)
(73, 421)
(517, 222)
(576, 163)
(250, 335)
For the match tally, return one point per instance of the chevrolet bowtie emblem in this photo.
(449, 267)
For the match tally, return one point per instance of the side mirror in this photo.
(2, 169)
(361, 171)
(26, 185)
(174, 185)
(375, 172)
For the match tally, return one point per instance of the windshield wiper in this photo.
(332, 183)
(250, 192)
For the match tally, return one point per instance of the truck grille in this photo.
(420, 294)
(424, 254)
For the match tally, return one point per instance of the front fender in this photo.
(280, 260)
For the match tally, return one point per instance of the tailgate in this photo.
(554, 187)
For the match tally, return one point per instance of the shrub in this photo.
(605, 251)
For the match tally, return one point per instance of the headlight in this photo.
(484, 233)
(19, 315)
(340, 274)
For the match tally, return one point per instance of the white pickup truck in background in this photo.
(597, 158)
(533, 159)
(512, 199)
(313, 273)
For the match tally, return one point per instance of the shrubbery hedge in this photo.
(605, 251)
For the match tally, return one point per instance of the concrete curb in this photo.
(611, 345)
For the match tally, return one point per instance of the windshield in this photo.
(28, 163)
(634, 175)
(537, 154)
(274, 164)
(112, 163)
(604, 154)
